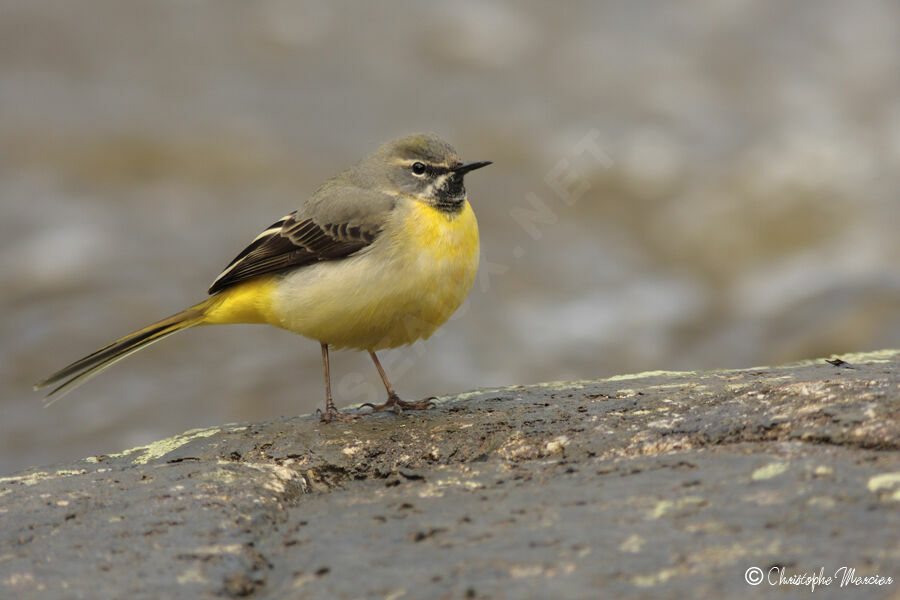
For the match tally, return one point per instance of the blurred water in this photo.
(743, 208)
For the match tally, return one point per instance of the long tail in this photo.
(80, 371)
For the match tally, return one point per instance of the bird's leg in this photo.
(394, 402)
(331, 413)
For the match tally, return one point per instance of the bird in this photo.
(378, 257)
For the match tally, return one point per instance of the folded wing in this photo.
(324, 231)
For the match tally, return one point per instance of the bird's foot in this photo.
(332, 414)
(397, 405)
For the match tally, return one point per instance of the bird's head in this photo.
(424, 167)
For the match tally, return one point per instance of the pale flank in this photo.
(380, 298)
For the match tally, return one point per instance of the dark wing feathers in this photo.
(294, 242)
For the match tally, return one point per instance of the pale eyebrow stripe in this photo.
(408, 162)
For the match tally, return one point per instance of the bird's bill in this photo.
(465, 168)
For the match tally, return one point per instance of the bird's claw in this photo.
(397, 405)
(332, 414)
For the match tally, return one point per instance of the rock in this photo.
(670, 484)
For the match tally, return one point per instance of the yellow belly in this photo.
(398, 290)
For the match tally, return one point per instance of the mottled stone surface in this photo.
(656, 484)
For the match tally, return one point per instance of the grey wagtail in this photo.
(378, 257)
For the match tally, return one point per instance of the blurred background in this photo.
(676, 186)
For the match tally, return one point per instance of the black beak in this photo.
(463, 169)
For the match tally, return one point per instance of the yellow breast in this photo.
(398, 290)
(447, 249)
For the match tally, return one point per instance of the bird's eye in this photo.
(418, 168)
